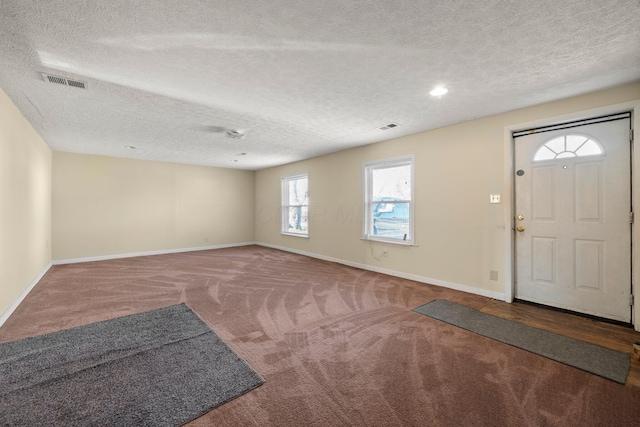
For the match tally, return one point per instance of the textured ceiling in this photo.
(298, 78)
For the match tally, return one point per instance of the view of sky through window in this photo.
(392, 183)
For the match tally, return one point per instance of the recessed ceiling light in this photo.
(130, 147)
(439, 91)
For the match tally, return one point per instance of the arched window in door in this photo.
(566, 146)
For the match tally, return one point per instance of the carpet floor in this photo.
(335, 345)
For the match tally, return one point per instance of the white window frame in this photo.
(284, 212)
(367, 176)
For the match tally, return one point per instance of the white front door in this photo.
(573, 231)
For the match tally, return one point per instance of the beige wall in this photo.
(25, 197)
(106, 206)
(460, 237)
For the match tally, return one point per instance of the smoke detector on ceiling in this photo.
(235, 134)
(63, 81)
(228, 132)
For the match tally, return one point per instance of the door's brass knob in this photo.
(520, 228)
(520, 217)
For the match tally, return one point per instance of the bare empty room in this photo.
(319, 213)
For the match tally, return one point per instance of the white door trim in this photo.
(509, 193)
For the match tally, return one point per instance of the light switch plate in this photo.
(494, 198)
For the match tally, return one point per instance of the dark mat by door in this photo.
(160, 368)
(597, 360)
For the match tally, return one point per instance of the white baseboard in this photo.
(147, 253)
(23, 295)
(458, 287)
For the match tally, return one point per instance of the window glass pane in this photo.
(544, 154)
(295, 205)
(388, 200)
(590, 148)
(298, 191)
(576, 145)
(391, 220)
(556, 144)
(574, 142)
(392, 183)
(298, 221)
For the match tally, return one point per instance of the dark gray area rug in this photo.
(160, 368)
(597, 360)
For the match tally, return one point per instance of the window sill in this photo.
(304, 236)
(393, 242)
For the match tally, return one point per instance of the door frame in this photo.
(509, 192)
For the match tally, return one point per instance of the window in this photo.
(388, 200)
(295, 205)
(568, 146)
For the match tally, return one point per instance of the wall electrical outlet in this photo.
(494, 198)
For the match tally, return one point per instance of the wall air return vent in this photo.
(388, 126)
(63, 81)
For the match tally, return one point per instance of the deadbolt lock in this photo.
(520, 217)
(520, 228)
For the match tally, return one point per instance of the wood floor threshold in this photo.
(611, 336)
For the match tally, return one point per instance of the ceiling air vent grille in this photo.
(75, 83)
(389, 126)
(63, 81)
